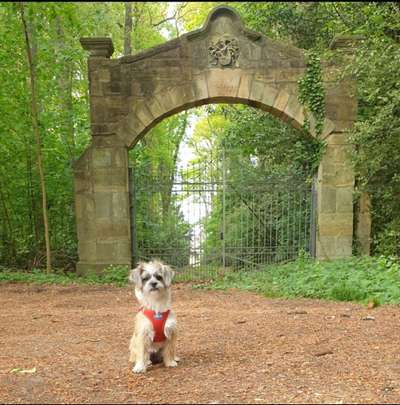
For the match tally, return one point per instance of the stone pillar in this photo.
(101, 173)
(102, 208)
(363, 227)
(335, 188)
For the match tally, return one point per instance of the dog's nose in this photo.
(154, 284)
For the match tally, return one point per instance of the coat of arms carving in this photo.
(224, 52)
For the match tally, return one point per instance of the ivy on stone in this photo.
(312, 92)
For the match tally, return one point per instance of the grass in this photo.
(360, 279)
(114, 275)
(198, 274)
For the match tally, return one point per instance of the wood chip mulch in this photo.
(235, 347)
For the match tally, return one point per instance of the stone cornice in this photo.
(98, 47)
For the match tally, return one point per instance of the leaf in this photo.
(23, 371)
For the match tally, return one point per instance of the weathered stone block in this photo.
(343, 126)
(200, 87)
(86, 229)
(293, 108)
(87, 250)
(328, 128)
(102, 157)
(245, 86)
(104, 75)
(341, 109)
(342, 154)
(130, 129)
(338, 179)
(98, 110)
(106, 251)
(82, 183)
(107, 141)
(325, 247)
(156, 109)
(337, 139)
(111, 229)
(84, 206)
(269, 96)
(181, 95)
(83, 267)
(164, 98)
(115, 179)
(103, 204)
(143, 113)
(95, 86)
(223, 83)
(281, 102)
(344, 199)
(120, 202)
(120, 157)
(343, 247)
(124, 250)
(327, 199)
(104, 128)
(257, 90)
(339, 224)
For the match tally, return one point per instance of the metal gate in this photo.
(219, 215)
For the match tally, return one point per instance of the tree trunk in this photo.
(170, 176)
(35, 125)
(8, 228)
(128, 29)
(31, 201)
(65, 84)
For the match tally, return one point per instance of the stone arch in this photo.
(223, 62)
(230, 90)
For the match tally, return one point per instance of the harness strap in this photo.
(158, 320)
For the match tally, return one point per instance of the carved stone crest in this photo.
(224, 52)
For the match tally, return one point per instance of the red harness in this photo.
(158, 320)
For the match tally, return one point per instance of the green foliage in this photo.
(376, 137)
(312, 92)
(268, 166)
(363, 279)
(160, 228)
(63, 115)
(355, 279)
(113, 275)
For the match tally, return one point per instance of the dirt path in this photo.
(235, 347)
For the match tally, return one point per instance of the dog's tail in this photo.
(156, 357)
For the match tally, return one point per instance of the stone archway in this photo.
(221, 62)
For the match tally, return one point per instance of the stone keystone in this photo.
(102, 47)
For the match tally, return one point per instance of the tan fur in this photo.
(141, 344)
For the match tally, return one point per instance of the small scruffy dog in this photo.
(155, 329)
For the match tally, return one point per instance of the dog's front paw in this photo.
(139, 368)
(171, 363)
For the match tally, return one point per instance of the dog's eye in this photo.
(158, 277)
(145, 278)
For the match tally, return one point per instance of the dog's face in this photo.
(152, 278)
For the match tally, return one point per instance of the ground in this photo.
(235, 347)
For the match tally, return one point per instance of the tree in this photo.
(31, 54)
(128, 28)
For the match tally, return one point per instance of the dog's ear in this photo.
(168, 274)
(135, 275)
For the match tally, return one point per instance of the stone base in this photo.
(83, 268)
